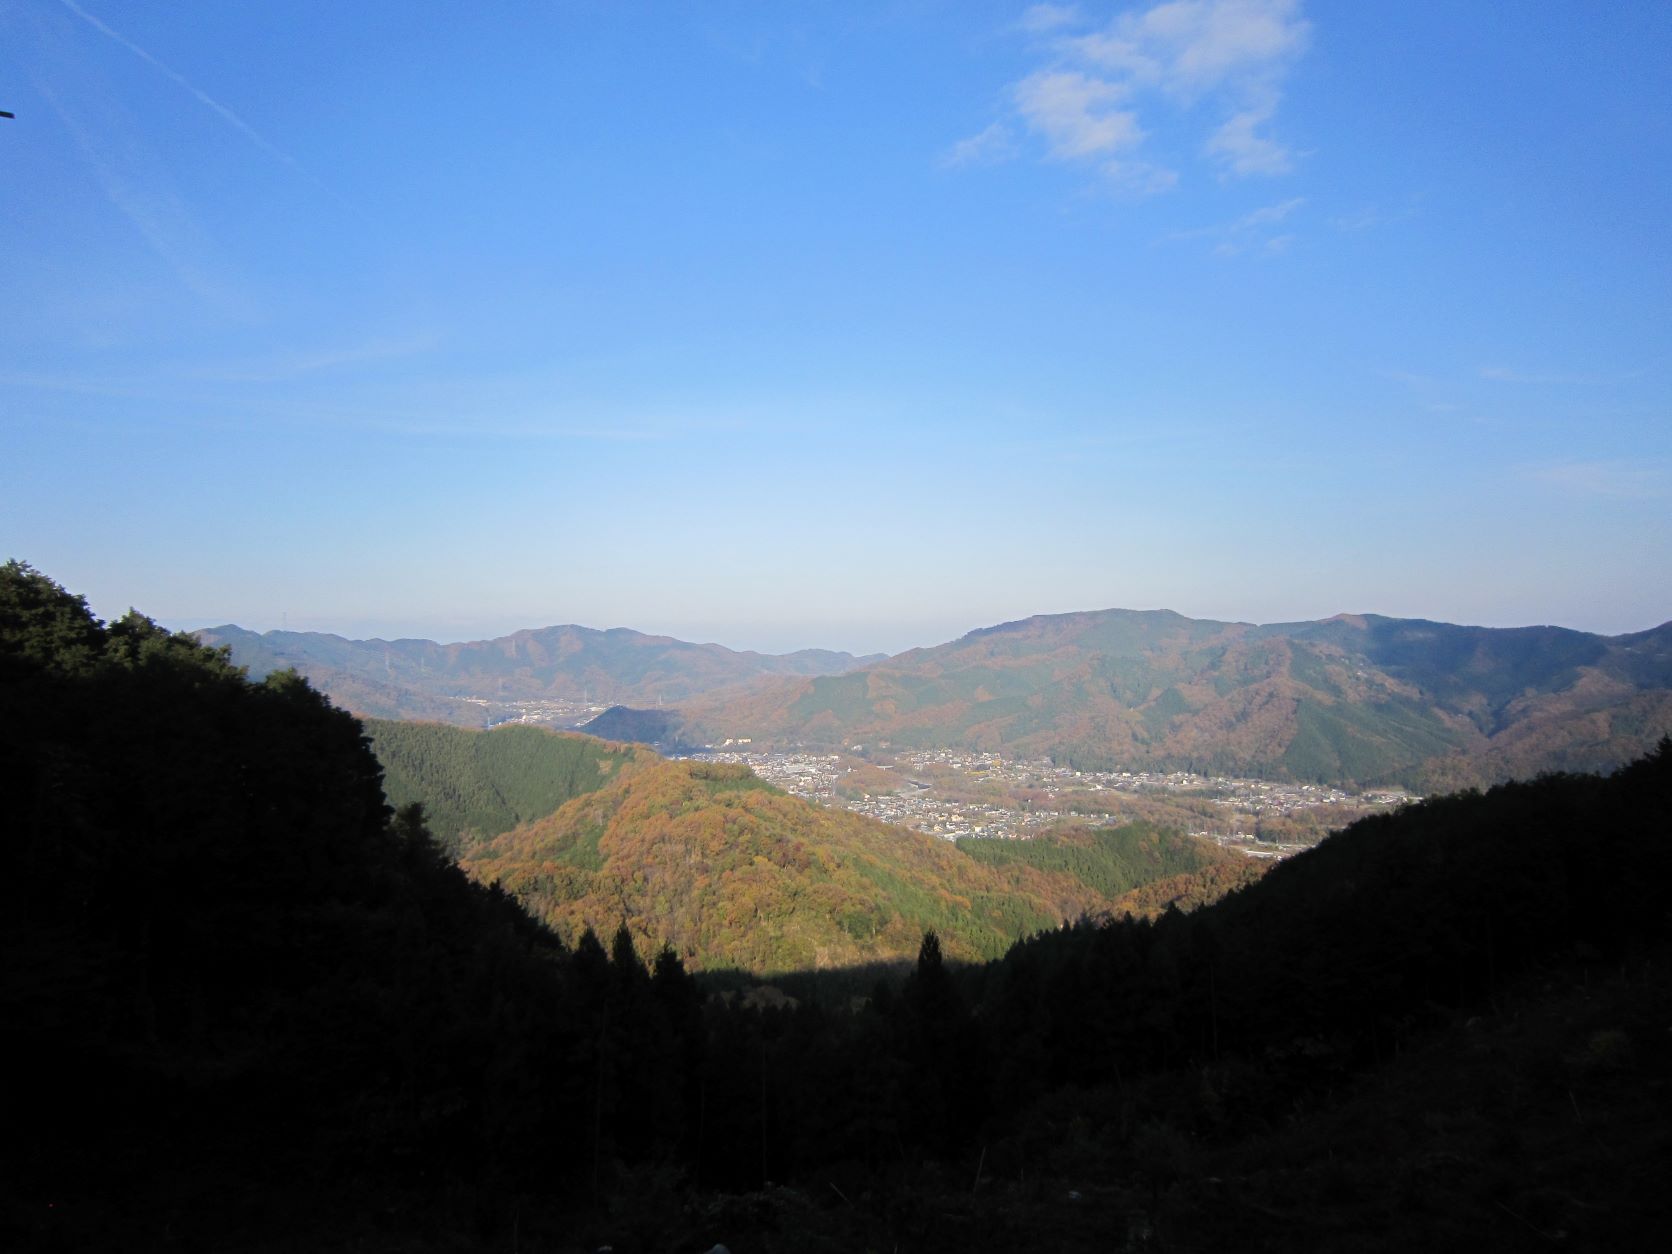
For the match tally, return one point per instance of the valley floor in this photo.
(954, 794)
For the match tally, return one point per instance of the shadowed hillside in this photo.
(650, 727)
(474, 785)
(255, 1008)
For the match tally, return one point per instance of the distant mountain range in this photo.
(1354, 698)
(420, 679)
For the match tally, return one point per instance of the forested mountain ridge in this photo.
(423, 679)
(1355, 698)
(734, 873)
(474, 785)
(215, 935)
(1138, 869)
(1439, 1018)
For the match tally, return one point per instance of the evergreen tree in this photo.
(942, 1053)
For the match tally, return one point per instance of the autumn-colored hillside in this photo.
(734, 873)
(1353, 699)
(476, 784)
(1138, 869)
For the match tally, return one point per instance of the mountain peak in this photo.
(1355, 698)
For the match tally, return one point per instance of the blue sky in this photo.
(851, 325)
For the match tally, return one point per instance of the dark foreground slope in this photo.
(241, 1006)
(1444, 1028)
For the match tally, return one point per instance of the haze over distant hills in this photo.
(423, 679)
(1359, 698)
(1354, 698)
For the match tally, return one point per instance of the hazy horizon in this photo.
(747, 637)
(847, 326)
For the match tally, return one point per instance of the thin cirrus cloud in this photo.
(1244, 150)
(135, 183)
(116, 144)
(1503, 374)
(1218, 61)
(1261, 230)
(996, 143)
(1617, 480)
(1041, 19)
(301, 364)
(204, 98)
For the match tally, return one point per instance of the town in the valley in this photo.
(958, 793)
(953, 793)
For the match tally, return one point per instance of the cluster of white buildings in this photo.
(915, 800)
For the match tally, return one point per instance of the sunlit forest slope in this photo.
(734, 873)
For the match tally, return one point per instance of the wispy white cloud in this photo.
(484, 426)
(1041, 19)
(1369, 217)
(202, 97)
(76, 384)
(1269, 214)
(1412, 379)
(1079, 117)
(1076, 113)
(989, 147)
(115, 143)
(298, 365)
(1616, 480)
(1192, 47)
(1222, 58)
(1432, 394)
(1504, 374)
(135, 183)
(1253, 232)
(1244, 150)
